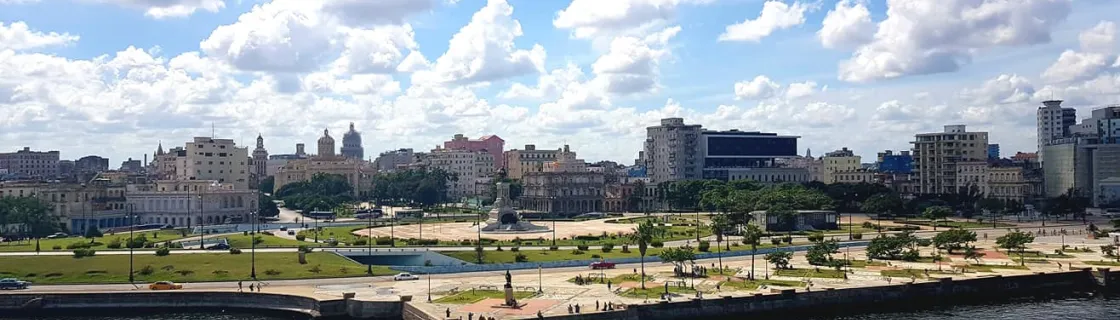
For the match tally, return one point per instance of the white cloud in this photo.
(633, 64)
(801, 89)
(549, 85)
(170, 8)
(848, 25)
(1006, 88)
(775, 15)
(1100, 38)
(378, 12)
(924, 37)
(17, 36)
(1098, 45)
(377, 50)
(761, 87)
(281, 36)
(591, 18)
(484, 51)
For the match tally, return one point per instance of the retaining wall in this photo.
(36, 304)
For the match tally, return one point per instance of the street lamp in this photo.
(551, 202)
(540, 279)
(253, 252)
(429, 276)
(131, 224)
(201, 222)
(369, 243)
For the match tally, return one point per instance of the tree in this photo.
(937, 213)
(92, 232)
(752, 236)
(643, 235)
(267, 185)
(780, 259)
(882, 204)
(266, 207)
(719, 226)
(634, 202)
(894, 247)
(820, 254)
(953, 239)
(22, 217)
(1016, 240)
(678, 257)
(322, 192)
(970, 253)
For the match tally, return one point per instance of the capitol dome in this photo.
(352, 144)
(326, 144)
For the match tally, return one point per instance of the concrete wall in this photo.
(34, 304)
(404, 256)
(470, 267)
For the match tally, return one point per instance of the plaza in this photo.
(458, 231)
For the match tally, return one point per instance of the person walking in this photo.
(250, 287)
(239, 288)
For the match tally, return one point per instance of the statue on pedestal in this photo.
(503, 218)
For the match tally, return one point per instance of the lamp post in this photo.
(392, 223)
(201, 222)
(429, 276)
(540, 279)
(253, 251)
(369, 242)
(131, 224)
(551, 202)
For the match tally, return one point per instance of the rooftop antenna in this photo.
(212, 135)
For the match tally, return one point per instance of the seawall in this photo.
(193, 301)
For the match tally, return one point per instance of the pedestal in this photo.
(510, 300)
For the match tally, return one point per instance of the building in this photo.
(99, 203)
(520, 162)
(389, 161)
(839, 161)
(993, 151)
(1086, 159)
(1054, 122)
(672, 151)
(565, 188)
(357, 172)
(804, 220)
(259, 164)
(27, 164)
(352, 144)
(1009, 183)
(889, 162)
(734, 155)
(857, 176)
(815, 166)
(133, 166)
(1108, 192)
(491, 144)
(91, 164)
(205, 158)
(186, 203)
(936, 156)
(474, 169)
(972, 175)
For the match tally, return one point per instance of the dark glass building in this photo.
(742, 149)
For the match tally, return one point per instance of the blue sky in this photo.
(287, 69)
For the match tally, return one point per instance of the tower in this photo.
(352, 144)
(326, 144)
(260, 162)
(1053, 122)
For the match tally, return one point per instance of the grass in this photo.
(865, 263)
(958, 224)
(472, 296)
(652, 292)
(856, 228)
(811, 273)
(156, 236)
(744, 284)
(1036, 254)
(1102, 263)
(242, 241)
(1031, 260)
(990, 267)
(179, 267)
(908, 273)
(632, 277)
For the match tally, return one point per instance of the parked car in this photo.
(165, 285)
(405, 277)
(220, 246)
(291, 232)
(58, 235)
(602, 265)
(13, 284)
(284, 228)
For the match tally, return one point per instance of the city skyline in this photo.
(595, 82)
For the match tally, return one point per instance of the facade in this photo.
(857, 176)
(491, 144)
(567, 189)
(1008, 183)
(166, 164)
(91, 164)
(99, 203)
(352, 144)
(259, 164)
(891, 162)
(993, 151)
(936, 156)
(392, 160)
(520, 162)
(733, 155)
(566, 161)
(1086, 159)
(474, 169)
(357, 172)
(972, 174)
(1053, 122)
(27, 164)
(815, 166)
(187, 203)
(672, 151)
(837, 162)
(805, 220)
(133, 166)
(1108, 192)
(206, 158)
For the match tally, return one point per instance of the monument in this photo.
(510, 300)
(504, 219)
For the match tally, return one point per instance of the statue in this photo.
(503, 218)
(508, 279)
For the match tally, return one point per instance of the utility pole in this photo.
(131, 224)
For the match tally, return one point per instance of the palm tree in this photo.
(643, 235)
(752, 235)
(719, 224)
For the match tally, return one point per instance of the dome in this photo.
(326, 138)
(352, 137)
(326, 145)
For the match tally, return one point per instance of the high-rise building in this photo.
(1085, 162)
(352, 144)
(672, 151)
(27, 164)
(520, 162)
(474, 169)
(936, 156)
(492, 144)
(1054, 122)
(260, 163)
(204, 158)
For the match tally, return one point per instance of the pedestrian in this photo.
(717, 286)
(448, 312)
(540, 315)
(596, 305)
(569, 309)
(250, 287)
(608, 285)
(470, 315)
(239, 288)
(577, 308)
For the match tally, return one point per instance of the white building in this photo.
(1053, 122)
(474, 170)
(191, 203)
(206, 158)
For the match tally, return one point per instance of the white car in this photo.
(405, 277)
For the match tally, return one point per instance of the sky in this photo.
(117, 77)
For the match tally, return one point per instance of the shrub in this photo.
(184, 272)
(382, 241)
(499, 248)
(596, 256)
(234, 251)
(857, 236)
(608, 247)
(56, 247)
(360, 242)
(553, 248)
(82, 253)
(657, 244)
(272, 272)
(301, 237)
(259, 240)
(162, 252)
(868, 225)
(577, 252)
(582, 247)
(244, 233)
(306, 249)
(587, 238)
(315, 269)
(146, 271)
(520, 257)
(787, 239)
(816, 237)
(220, 272)
(515, 249)
(625, 249)
(115, 244)
(78, 245)
(911, 255)
(333, 243)
(775, 241)
(137, 242)
(167, 268)
(704, 246)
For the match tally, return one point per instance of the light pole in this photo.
(551, 202)
(369, 243)
(201, 222)
(253, 252)
(429, 276)
(392, 223)
(540, 279)
(131, 223)
(850, 238)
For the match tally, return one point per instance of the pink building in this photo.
(491, 144)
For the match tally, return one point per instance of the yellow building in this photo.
(357, 172)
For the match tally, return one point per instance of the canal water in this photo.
(1059, 309)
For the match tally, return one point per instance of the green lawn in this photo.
(655, 292)
(632, 277)
(179, 268)
(744, 284)
(865, 263)
(958, 224)
(1036, 254)
(472, 296)
(1102, 263)
(811, 273)
(267, 241)
(1031, 260)
(153, 236)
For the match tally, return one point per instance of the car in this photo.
(602, 265)
(58, 235)
(220, 246)
(405, 277)
(291, 232)
(13, 284)
(165, 285)
(284, 228)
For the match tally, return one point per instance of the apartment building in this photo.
(936, 156)
(524, 161)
